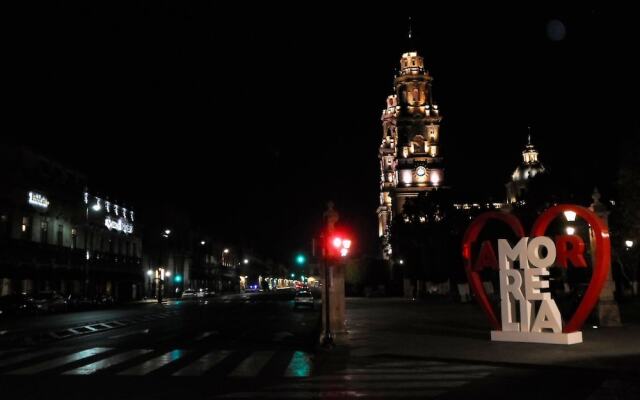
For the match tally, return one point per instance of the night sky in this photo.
(251, 119)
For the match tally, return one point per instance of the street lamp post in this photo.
(160, 272)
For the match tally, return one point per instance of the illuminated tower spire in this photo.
(410, 160)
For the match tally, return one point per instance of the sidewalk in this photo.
(447, 331)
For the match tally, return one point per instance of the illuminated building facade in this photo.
(409, 154)
(56, 237)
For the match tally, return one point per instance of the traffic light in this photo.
(301, 259)
(339, 245)
(293, 275)
(177, 278)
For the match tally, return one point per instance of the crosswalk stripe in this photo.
(203, 364)
(60, 361)
(154, 363)
(106, 363)
(299, 366)
(25, 357)
(252, 365)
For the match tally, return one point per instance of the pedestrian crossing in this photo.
(358, 379)
(378, 380)
(235, 364)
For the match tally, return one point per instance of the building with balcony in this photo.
(56, 236)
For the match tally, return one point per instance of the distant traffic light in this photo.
(293, 275)
(301, 259)
(177, 278)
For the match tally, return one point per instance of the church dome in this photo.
(530, 166)
(524, 172)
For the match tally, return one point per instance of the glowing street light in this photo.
(628, 243)
(202, 242)
(167, 273)
(167, 232)
(570, 216)
(401, 262)
(226, 251)
(149, 272)
(245, 261)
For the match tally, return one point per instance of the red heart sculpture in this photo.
(602, 257)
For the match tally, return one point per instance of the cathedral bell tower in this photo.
(410, 161)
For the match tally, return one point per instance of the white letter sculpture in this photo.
(535, 318)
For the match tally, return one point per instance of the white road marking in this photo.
(60, 361)
(252, 365)
(106, 363)
(203, 364)
(154, 363)
(300, 365)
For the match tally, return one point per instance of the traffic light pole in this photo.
(328, 336)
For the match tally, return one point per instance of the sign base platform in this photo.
(537, 337)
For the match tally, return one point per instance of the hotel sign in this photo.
(38, 200)
(119, 225)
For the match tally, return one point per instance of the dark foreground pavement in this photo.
(398, 348)
(250, 346)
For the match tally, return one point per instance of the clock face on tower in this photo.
(421, 171)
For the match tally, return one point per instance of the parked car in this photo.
(103, 300)
(78, 302)
(50, 302)
(202, 293)
(303, 298)
(189, 294)
(15, 304)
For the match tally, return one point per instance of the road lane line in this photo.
(60, 361)
(154, 363)
(106, 363)
(203, 364)
(252, 365)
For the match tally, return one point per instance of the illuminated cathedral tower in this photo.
(410, 162)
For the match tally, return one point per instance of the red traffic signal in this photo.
(339, 245)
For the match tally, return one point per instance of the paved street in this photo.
(258, 346)
(151, 350)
